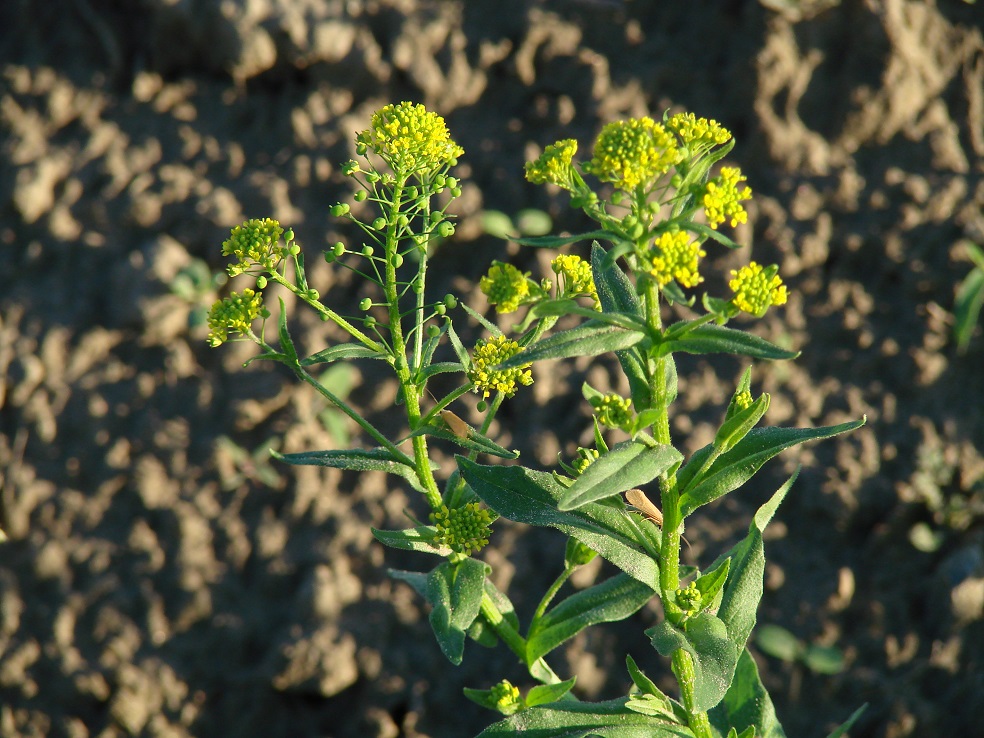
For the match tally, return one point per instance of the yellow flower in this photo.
(585, 458)
(233, 314)
(410, 139)
(633, 153)
(722, 198)
(576, 276)
(505, 287)
(490, 353)
(757, 289)
(676, 258)
(506, 697)
(555, 165)
(614, 411)
(254, 243)
(463, 529)
(698, 134)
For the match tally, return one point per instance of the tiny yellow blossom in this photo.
(463, 529)
(410, 138)
(676, 257)
(722, 198)
(743, 400)
(555, 165)
(698, 134)
(255, 243)
(633, 153)
(487, 379)
(613, 411)
(577, 278)
(506, 697)
(233, 314)
(757, 289)
(585, 458)
(505, 287)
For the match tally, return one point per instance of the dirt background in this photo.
(163, 578)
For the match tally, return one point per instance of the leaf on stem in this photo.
(570, 719)
(614, 599)
(342, 351)
(627, 465)
(376, 459)
(420, 539)
(588, 339)
(747, 703)
(529, 496)
(473, 441)
(716, 339)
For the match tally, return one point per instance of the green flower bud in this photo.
(338, 249)
(313, 295)
(451, 182)
(482, 406)
(369, 322)
(397, 260)
(339, 209)
(436, 217)
(261, 282)
(455, 192)
(367, 251)
(379, 224)
(294, 249)
(365, 303)
(433, 331)
(360, 149)
(440, 309)
(289, 235)
(360, 196)
(450, 301)
(411, 192)
(445, 229)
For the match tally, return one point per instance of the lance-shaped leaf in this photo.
(569, 719)
(731, 470)
(842, 729)
(420, 538)
(342, 351)
(481, 630)
(544, 694)
(529, 496)
(559, 308)
(617, 295)
(612, 600)
(454, 592)
(716, 339)
(555, 242)
(375, 459)
(627, 465)
(588, 339)
(747, 704)
(473, 441)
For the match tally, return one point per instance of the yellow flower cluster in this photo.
(585, 458)
(577, 277)
(743, 400)
(410, 138)
(506, 697)
(505, 287)
(233, 314)
(698, 134)
(490, 353)
(633, 153)
(554, 165)
(613, 411)
(676, 257)
(255, 243)
(689, 599)
(463, 529)
(757, 289)
(723, 196)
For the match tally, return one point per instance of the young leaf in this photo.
(286, 344)
(617, 295)
(627, 465)
(544, 694)
(342, 351)
(716, 339)
(442, 367)
(738, 425)
(747, 703)
(555, 242)
(712, 651)
(570, 307)
(474, 441)
(711, 583)
(613, 600)
(419, 539)
(733, 469)
(528, 496)
(588, 339)
(376, 459)
(651, 700)
(967, 307)
(850, 722)
(571, 719)
(455, 594)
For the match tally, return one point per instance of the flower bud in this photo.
(379, 224)
(450, 301)
(365, 303)
(367, 251)
(360, 195)
(289, 235)
(339, 209)
(261, 282)
(433, 331)
(397, 260)
(294, 249)
(445, 229)
(338, 249)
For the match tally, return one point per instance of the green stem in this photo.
(683, 668)
(539, 669)
(550, 594)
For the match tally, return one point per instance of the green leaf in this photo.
(588, 339)
(474, 442)
(617, 295)
(416, 579)
(503, 604)
(555, 242)
(544, 694)
(850, 722)
(712, 582)
(824, 659)
(570, 307)
(627, 465)
(528, 496)
(342, 351)
(570, 719)
(286, 344)
(614, 599)
(738, 425)
(455, 594)
(967, 307)
(419, 539)
(459, 348)
(488, 325)
(747, 703)
(442, 367)
(651, 700)
(705, 638)
(732, 469)
(706, 232)
(716, 339)
(376, 459)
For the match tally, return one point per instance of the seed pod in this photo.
(637, 498)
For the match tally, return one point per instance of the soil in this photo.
(163, 577)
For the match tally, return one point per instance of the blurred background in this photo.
(163, 577)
